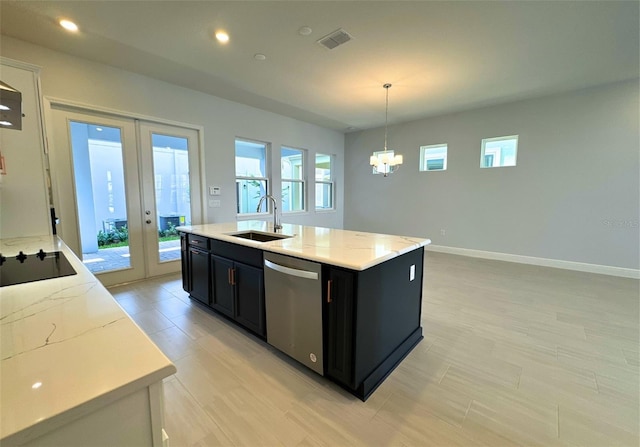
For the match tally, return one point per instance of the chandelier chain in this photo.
(386, 116)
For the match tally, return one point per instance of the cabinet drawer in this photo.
(199, 241)
(246, 255)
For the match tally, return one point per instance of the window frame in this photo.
(494, 154)
(331, 182)
(266, 178)
(302, 180)
(424, 159)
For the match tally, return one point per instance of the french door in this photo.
(169, 165)
(121, 187)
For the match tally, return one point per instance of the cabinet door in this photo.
(184, 259)
(222, 290)
(340, 326)
(250, 298)
(199, 274)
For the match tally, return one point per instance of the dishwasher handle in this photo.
(290, 271)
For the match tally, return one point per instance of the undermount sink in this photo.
(259, 236)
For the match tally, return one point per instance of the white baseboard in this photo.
(545, 262)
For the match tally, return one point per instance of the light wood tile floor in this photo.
(512, 355)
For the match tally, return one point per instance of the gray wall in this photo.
(75, 79)
(573, 196)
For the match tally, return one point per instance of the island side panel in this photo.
(388, 311)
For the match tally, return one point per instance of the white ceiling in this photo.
(440, 57)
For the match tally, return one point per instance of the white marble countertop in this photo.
(354, 250)
(67, 348)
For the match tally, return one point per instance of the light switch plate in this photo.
(214, 203)
(412, 272)
(214, 190)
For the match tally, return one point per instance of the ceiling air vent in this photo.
(335, 39)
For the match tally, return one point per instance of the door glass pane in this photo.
(101, 196)
(172, 192)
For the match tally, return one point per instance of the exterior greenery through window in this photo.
(252, 180)
(499, 151)
(433, 157)
(324, 182)
(292, 167)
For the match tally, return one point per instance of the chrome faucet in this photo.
(276, 226)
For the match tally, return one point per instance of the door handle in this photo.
(329, 291)
(290, 271)
(231, 276)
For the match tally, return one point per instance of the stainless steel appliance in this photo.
(293, 302)
(34, 267)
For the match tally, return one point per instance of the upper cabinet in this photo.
(24, 197)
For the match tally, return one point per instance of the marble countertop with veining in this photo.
(356, 250)
(66, 347)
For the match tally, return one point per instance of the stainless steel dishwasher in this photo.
(293, 302)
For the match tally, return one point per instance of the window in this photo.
(499, 151)
(292, 169)
(433, 158)
(251, 176)
(324, 182)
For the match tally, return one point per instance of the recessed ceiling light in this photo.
(304, 31)
(259, 56)
(68, 25)
(222, 37)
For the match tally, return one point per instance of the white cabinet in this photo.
(133, 420)
(24, 198)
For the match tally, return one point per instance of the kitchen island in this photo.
(369, 300)
(75, 369)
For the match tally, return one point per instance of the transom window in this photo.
(433, 157)
(292, 167)
(324, 182)
(252, 180)
(499, 152)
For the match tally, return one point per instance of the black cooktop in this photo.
(33, 267)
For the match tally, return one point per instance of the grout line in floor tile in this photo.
(558, 418)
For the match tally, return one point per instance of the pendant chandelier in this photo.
(385, 162)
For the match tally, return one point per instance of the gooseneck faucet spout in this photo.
(276, 226)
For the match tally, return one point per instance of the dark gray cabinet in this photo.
(250, 298)
(372, 320)
(226, 277)
(184, 259)
(339, 340)
(196, 266)
(238, 292)
(199, 274)
(222, 286)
